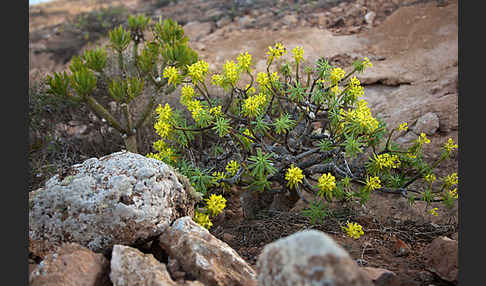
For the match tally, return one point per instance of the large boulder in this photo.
(205, 257)
(71, 264)
(308, 258)
(123, 198)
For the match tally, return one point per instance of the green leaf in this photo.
(261, 165)
(283, 124)
(222, 126)
(96, 59)
(119, 39)
(83, 81)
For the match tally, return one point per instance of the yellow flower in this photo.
(232, 168)
(450, 146)
(430, 178)
(385, 161)
(353, 230)
(230, 72)
(361, 115)
(423, 139)
(433, 211)
(162, 128)
(215, 204)
(275, 52)
(187, 94)
(244, 61)
(172, 74)
(298, 54)
(217, 80)
(198, 70)
(216, 111)
(336, 75)
(453, 193)
(293, 176)
(336, 90)
(373, 183)
(354, 88)
(326, 184)
(403, 126)
(262, 79)
(254, 105)
(202, 219)
(451, 180)
(165, 113)
(218, 176)
(366, 62)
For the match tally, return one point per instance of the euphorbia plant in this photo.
(261, 135)
(137, 72)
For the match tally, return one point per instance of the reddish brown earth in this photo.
(413, 45)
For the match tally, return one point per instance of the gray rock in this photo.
(121, 198)
(427, 123)
(370, 17)
(130, 266)
(308, 258)
(207, 258)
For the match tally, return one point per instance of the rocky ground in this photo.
(414, 49)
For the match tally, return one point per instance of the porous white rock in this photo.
(122, 198)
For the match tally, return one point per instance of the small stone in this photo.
(427, 123)
(370, 18)
(228, 237)
(400, 248)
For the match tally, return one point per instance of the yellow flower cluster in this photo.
(244, 61)
(172, 74)
(230, 72)
(354, 88)
(373, 183)
(198, 70)
(232, 168)
(336, 75)
(385, 161)
(262, 79)
(195, 108)
(275, 52)
(433, 211)
(215, 204)
(202, 219)
(254, 105)
(430, 178)
(451, 180)
(362, 116)
(450, 146)
(217, 80)
(336, 90)
(163, 128)
(453, 193)
(403, 126)
(422, 139)
(293, 176)
(164, 152)
(298, 54)
(326, 184)
(187, 94)
(366, 62)
(353, 230)
(164, 113)
(216, 111)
